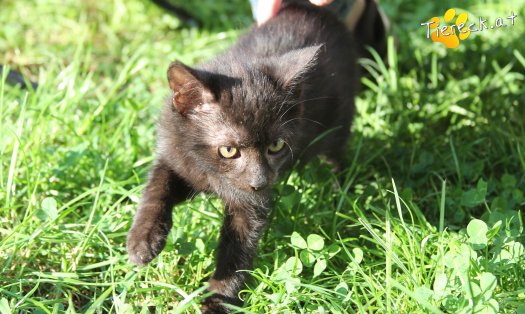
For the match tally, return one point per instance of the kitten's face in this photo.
(243, 140)
(239, 127)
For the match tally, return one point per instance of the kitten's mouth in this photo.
(256, 190)
(259, 191)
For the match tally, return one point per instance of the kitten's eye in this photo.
(276, 146)
(229, 152)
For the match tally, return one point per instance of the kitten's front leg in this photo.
(153, 220)
(237, 247)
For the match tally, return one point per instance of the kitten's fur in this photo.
(293, 78)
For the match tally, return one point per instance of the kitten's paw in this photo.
(145, 243)
(213, 305)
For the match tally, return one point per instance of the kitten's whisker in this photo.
(193, 194)
(296, 103)
(302, 118)
(290, 148)
(311, 99)
(287, 110)
(302, 101)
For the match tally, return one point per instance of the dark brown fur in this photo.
(292, 78)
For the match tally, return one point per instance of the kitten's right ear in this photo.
(291, 67)
(189, 92)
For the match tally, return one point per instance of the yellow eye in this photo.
(276, 146)
(229, 152)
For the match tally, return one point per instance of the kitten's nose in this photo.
(259, 183)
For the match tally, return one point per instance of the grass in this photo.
(428, 217)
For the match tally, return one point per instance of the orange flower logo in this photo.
(452, 35)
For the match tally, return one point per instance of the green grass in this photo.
(428, 217)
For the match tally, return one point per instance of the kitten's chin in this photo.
(235, 197)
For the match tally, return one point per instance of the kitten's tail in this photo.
(179, 12)
(15, 78)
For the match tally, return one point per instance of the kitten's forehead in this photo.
(258, 96)
(244, 130)
(250, 108)
(239, 128)
(255, 107)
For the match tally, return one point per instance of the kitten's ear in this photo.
(289, 68)
(189, 91)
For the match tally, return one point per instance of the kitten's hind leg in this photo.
(153, 220)
(237, 247)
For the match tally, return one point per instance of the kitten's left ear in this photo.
(189, 91)
(289, 68)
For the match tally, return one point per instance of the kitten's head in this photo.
(239, 127)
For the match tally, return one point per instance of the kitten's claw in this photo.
(144, 244)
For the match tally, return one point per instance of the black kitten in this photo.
(233, 124)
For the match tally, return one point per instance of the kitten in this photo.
(236, 122)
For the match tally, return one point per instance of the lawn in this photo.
(427, 218)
